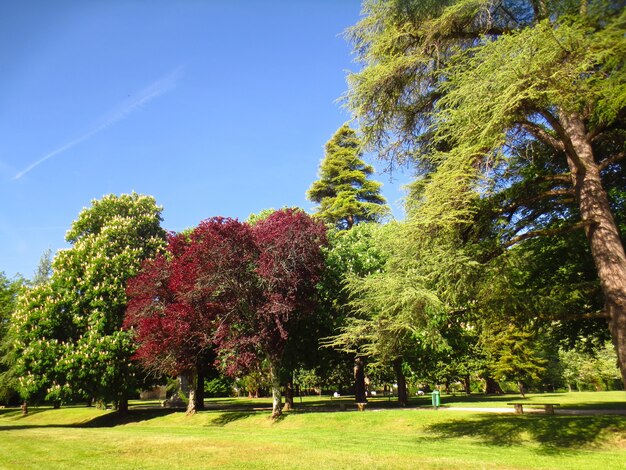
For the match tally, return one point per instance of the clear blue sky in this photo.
(214, 108)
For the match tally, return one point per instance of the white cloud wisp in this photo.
(123, 110)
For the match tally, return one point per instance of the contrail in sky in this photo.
(152, 91)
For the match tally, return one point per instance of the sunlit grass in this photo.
(80, 437)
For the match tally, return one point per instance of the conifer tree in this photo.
(344, 193)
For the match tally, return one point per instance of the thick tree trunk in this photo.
(199, 395)
(187, 383)
(359, 381)
(122, 402)
(122, 405)
(276, 395)
(288, 397)
(403, 397)
(467, 385)
(492, 387)
(602, 232)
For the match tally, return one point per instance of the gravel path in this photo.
(527, 409)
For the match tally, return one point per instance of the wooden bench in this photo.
(549, 407)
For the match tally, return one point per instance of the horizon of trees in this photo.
(509, 269)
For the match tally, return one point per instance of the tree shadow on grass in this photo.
(229, 417)
(552, 433)
(108, 420)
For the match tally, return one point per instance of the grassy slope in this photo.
(387, 438)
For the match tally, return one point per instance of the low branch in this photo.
(584, 316)
(563, 178)
(546, 194)
(543, 135)
(550, 232)
(609, 161)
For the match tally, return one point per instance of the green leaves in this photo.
(68, 339)
(344, 193)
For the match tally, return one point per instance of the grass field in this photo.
(238, 436)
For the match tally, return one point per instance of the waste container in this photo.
(436, 398)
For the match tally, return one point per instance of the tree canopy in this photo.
(69, 342)
(344, 192)
(467, 88)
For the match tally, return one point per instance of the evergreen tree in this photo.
(459, 87)
(344, 193)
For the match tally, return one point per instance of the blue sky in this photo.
(214, 108)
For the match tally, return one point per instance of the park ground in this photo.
(588, 431)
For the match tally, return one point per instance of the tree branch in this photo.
(541, 134)
(544, 233)
(610, 160)
(545, 194)
(562, 178)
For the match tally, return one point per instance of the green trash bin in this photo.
(436, 398)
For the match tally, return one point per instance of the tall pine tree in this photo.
(344, 193)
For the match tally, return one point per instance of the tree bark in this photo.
(359, 381)
(403, 397)
(492, 387)
(122, 402)
(467, 385)
(288, 397)
(276, 395)
(522, 389)
(199, 395)
(187, 383)
(600, 227)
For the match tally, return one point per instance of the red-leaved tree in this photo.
(289, 266)
(179, 299)
(228, 286)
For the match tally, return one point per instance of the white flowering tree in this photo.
(69, 342)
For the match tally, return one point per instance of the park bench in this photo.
(549, 407)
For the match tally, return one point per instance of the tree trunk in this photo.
(122, 405)
(199, 395)
(288, 397)
(359, 381)
(492, 387)
(187, 383)
(602, 232)
(403, 398)
(276, 395)
(467, 385)
(522, 389)
(122, 402)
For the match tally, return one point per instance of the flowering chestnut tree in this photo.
(69, 341)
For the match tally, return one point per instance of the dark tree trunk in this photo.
(122, 404)
(359, 381)
(403, 397)
(288, 397)
(199, 395)
(600, 227)
(467, 385)
(56, 405)
(492, 387)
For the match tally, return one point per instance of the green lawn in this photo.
(240, 437)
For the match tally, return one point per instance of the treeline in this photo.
(509, 269)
